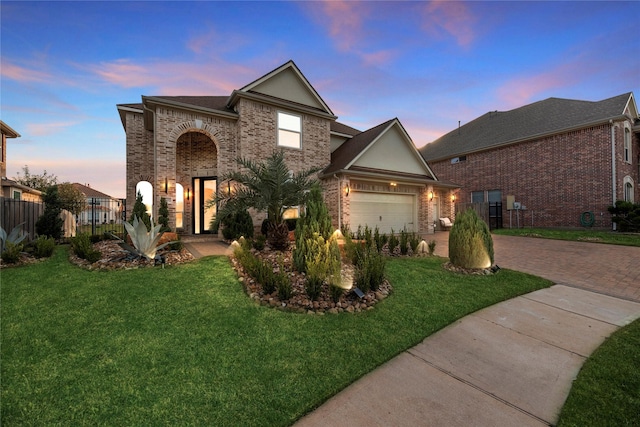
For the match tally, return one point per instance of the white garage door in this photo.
(386, 211)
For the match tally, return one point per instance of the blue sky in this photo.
(65, 65)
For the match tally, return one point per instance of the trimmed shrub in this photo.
(140, 211)
(163, 215)
(370, 272)
(626, 215)
(50, 223)
(404, 242)
(393, 243)
(323, 264)
(43, 247)
(336, 292)
(470, 241)
(259, 242)
(315, 220)
(83, 247)
(11, 253)
(237, 224)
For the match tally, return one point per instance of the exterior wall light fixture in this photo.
(347, 190)
(430, 196)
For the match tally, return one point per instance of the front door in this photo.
(204, 191)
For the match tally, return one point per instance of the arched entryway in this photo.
(197, 171)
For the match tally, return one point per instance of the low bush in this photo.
(370, 270)
(11, 253)
(393, 242)
(470, 241)
(259, 242)
(336, 292)
(237, 224)
(43, 247)
(83, 247)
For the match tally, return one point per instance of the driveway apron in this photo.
(511, 364)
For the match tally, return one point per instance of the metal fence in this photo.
(99, 216)
(19, 212)
(102, 215)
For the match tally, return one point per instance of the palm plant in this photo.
(268, 187)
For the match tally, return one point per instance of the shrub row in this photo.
(263, 273)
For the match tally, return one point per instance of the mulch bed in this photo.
(299, 301)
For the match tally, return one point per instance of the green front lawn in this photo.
(184, 346)
(607, 390)
(610, 237)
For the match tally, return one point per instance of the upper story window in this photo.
(289, 130)
(627, 145)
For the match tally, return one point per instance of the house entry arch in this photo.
(196, 170)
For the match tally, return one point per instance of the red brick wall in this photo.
(556, 178)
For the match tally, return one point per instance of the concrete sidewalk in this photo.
(511, 364)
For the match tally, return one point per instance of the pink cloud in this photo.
(45, 129)
(522, 90)
(22, 74)
(346, 22)
(174, 78)
(453, 17)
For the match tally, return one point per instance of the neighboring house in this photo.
(10, 188)
(100, 207)
(178, 146)
(559, 158)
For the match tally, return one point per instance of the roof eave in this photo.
(236, 95)
(188, 107)
(529, 138)
(386, 176)
(8, 130)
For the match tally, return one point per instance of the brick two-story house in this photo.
(178, 146)
(564, 160)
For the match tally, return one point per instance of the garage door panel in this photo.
(386, 211)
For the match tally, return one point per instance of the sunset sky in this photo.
(65, 65)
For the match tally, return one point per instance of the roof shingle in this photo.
(552, 115)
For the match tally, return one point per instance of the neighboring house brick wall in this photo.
(556, 178)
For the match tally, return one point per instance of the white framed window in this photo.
(17, 195)
(289, 130)
(146, 189)
(628, 189)
(627, 144)
(179, 206)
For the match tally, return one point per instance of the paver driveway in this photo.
(607, 269)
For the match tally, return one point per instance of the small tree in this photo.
(140, 211)
(163, 216)
(71, 198)
(315, 220)
(626, 215)
(39, 182)
(50, 223)
(267, 186)
(470, 241)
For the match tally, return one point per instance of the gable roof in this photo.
(8, 131)
(547, 117)
(345, 157)
(287, 83)
(90, 192)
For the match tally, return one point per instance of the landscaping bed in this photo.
(299, 301)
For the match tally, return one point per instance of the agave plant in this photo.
(145, 242)
(15, 236)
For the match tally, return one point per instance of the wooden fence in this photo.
(15, 212)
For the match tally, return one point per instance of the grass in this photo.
(184, 345)
(609, 237)
(607, 390)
